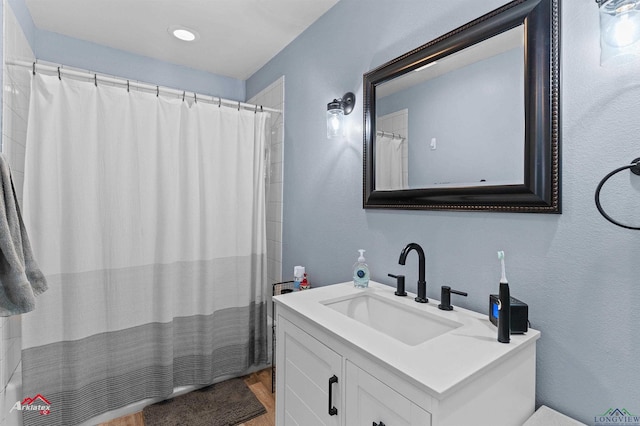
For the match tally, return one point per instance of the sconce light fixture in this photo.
(336, 110)
(619, 28)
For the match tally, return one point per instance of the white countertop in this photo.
(464, 351)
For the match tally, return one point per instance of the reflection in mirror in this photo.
(391, 147)
(471, 119)
(444, 114)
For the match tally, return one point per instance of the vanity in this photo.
(363, 357)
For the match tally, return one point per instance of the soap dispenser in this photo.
(361, 272)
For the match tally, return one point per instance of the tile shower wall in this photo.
(15, 101)
(398, 123)
(273, 97)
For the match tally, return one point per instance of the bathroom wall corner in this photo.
(15, 99)
(272, 96)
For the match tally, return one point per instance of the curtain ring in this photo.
(127, 86)
(238, 105)
(183, 93)
(219, 102)
(59, 77)
(157, 91)
(95, 79)
(261, 108)
(195, 97)
(255, 111)
(34, 68)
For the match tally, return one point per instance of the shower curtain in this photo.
(147, 216)
(389, 165)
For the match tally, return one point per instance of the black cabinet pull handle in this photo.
(378, 424)
(332, 410)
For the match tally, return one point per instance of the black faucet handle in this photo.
(399, 284)
(445, 297)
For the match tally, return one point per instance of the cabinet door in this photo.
(369, 402)
(309, 380)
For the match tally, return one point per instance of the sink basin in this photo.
(407, 324)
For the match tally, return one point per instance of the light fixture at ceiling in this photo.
(424, 67)
(336, 110)
(619, 28)
(183, 33)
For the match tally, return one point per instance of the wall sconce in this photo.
(619, 28)
(336, 110)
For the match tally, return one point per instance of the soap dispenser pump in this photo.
(361, 272)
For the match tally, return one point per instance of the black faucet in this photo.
(422, 284)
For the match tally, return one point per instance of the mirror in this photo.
(469, 121)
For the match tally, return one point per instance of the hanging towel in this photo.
(20, 278)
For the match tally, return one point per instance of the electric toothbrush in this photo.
(504, 305)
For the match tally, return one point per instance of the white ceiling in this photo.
(237, 37)
(493, 46)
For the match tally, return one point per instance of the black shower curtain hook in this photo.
(219, 102)
(157, 91)
(59, 76)
(238, 105)
(95, 79)
(195, 97)
(127, 86)
(34, 68)
(183, 93)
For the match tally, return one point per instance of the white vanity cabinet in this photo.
(305, 386)
(332, 369)
(369, 402)
(313, 389)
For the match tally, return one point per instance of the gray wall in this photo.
(578, 273)
(455, 108)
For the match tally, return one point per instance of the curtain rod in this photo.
(97, 77)
(393, 135)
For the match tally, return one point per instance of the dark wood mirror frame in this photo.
(540, 192)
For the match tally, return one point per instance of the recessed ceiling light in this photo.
(424, 67)
(183, 33)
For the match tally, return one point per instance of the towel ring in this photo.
(635, 169)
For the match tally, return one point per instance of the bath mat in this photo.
(226, 403)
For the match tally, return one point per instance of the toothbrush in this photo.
(504, 306)
(503, 279)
